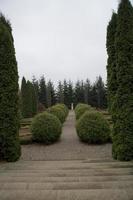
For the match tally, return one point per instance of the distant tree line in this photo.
(36, 95)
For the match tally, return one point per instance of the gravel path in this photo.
(68, 148)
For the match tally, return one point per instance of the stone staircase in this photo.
(66, 180)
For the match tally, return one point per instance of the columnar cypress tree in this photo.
(24, 97)
(30, 98)
(123, 103)
(34, 100)
(9, 119)
(111, 66)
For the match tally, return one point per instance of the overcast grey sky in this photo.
(60, 38)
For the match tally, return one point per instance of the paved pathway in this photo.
(68, 148)
(67, 170)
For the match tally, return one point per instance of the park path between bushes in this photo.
(67, 170)
(68, 148)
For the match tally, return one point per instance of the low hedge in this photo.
(46, 128)
(81, 109)
(92, 128)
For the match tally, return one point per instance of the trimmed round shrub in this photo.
(81, 109)
(64, 107)
(92, 128)
(58, 112)
(46, 128)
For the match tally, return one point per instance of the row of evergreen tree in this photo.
(10, 149)
(39, 94)
(120, 79)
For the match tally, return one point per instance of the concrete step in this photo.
(102, 194)
(68, 185)
(63, 174)
(67, 180)
(41, 179)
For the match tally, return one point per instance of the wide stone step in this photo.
(102, 194)
(63, 173)
(66, 166)
(68, 185)
(47, 165)
(41, 179)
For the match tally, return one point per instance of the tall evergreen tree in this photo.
(87, 89)
(36, 87)
(9, 119)
(101, 93)
(65, 93)
(34, 99)
(53, 94)
(79, 93)
(24, 97)
(123, 103)
(60, 93)
(93, 96)
(111, 66)
(49, 94)
(70, 98)
(29, 111)
(42, 91)
(28, 99)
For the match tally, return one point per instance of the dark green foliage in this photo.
(93, 128)
(65, 92)
(101, 93)
(42, 91)
(46, 128)
(70, 97)
(81, 109)
(51, 97)
(79, 93)
(123, 101)
(63, 107)
(87, 92)
(36, 88)
(24, 97)
(58, 112)
(34, 100)
(111, 66)
(60, 93)
(9, 117)
(28, 99)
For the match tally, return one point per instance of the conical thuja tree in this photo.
(123, 102)
(24, 97)
(111, 66)
(9, 119)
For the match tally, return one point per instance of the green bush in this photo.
(81, 109)
(45, 128)
(58, 112)
(63, 107)
(92, 127)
